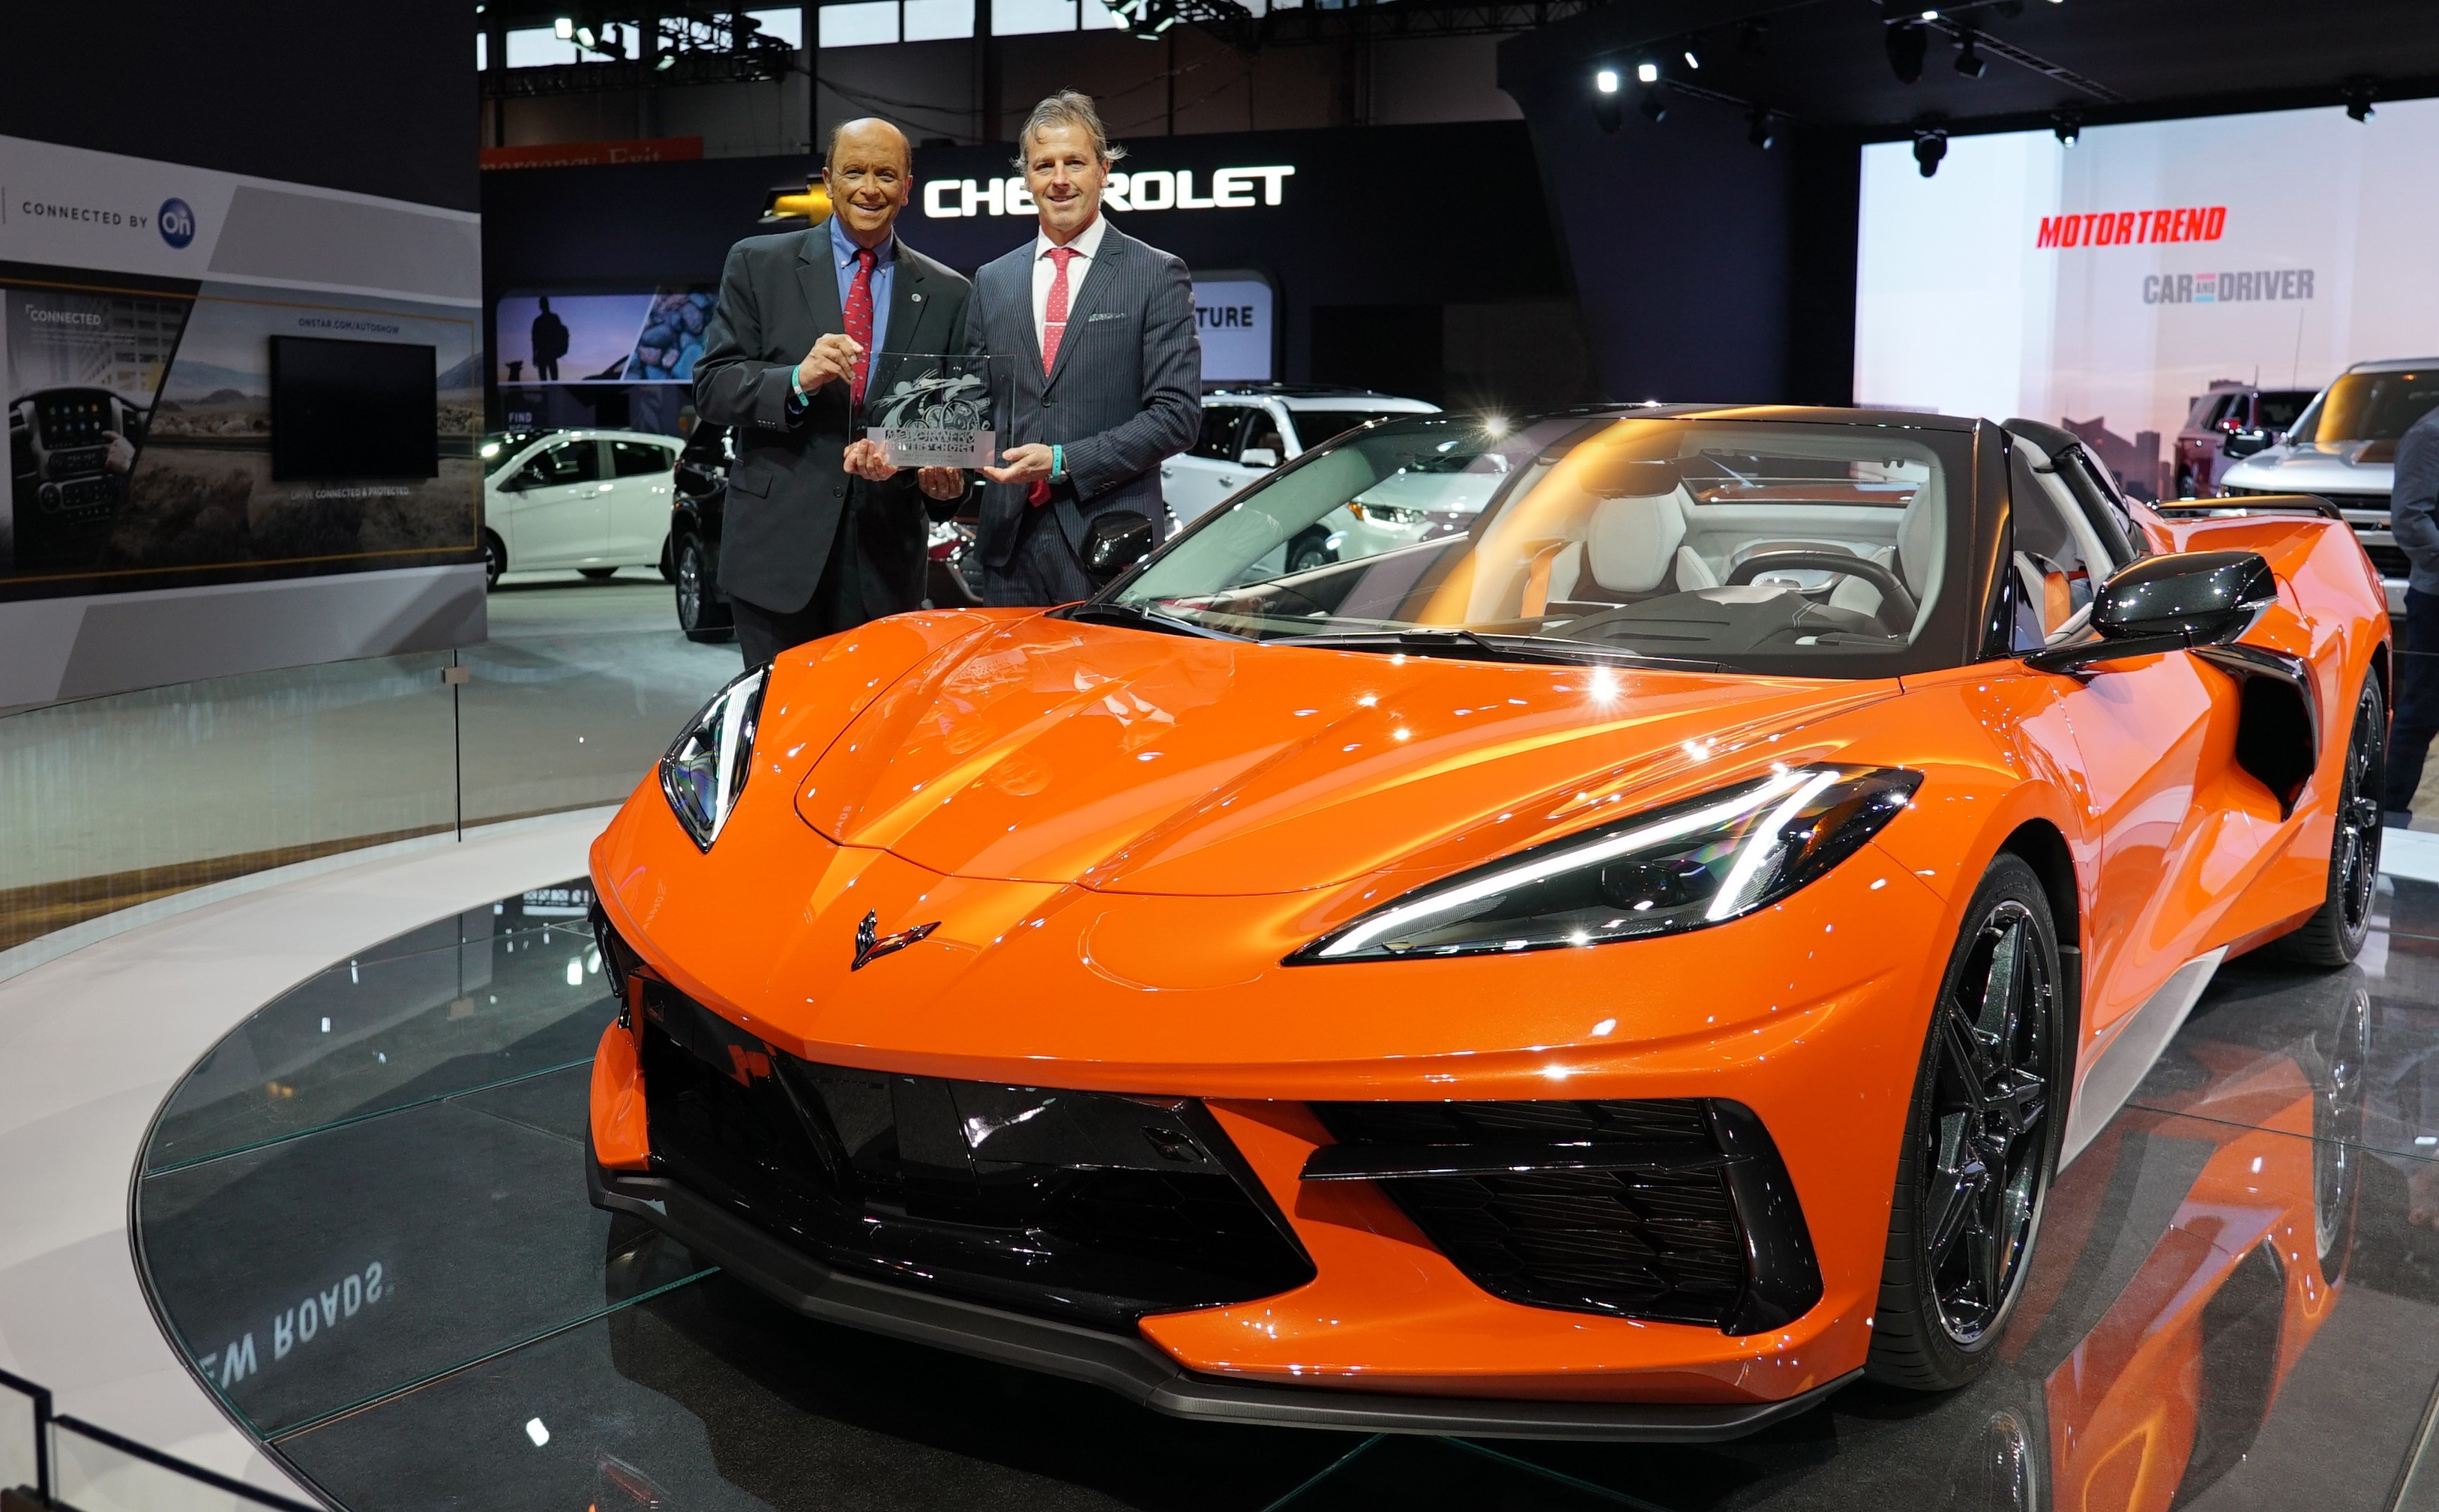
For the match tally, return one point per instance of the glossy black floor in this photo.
(364, 1217)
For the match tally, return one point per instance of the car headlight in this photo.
(1386, 514)
(706, 769)
(1686, 866)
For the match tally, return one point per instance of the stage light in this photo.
(1760, 128)
(1654, 109)
(563, 29)
(1605, 81)
(1929, 147)
(1906, 44)
(2068, 127)
(1693, 55)
(584, 38)
(1969, 62)
(1647, 72)
(1605, 101)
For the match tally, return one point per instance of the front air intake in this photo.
(1674, 1210)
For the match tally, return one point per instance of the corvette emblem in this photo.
(871, 945)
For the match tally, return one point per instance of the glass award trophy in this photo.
(930, 410)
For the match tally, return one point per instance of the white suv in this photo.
(1248, 430)
(2343, 448)
(592, 501)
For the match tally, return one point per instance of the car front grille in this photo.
(1674, 1210)
(1091, 1208)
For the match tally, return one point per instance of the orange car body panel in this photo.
(1122, 833)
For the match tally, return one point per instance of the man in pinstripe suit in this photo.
(1098, 371)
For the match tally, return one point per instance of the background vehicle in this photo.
(2231, 422)
(2343, 448)
(695, 514)
(1247, 431)
(592, 501)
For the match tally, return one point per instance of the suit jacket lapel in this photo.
(1081, 303)
(905, 331)
(1024, 276)
(818, 276)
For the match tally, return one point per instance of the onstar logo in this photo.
(1232, 188)
(177, 223)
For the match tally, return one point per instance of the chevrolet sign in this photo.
(1232, 188)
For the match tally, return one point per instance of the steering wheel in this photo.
(1893, 593)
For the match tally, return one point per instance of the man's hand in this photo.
(941, 482)
(866, 458)
(120, 456)
(1025, 464)
(832, 357)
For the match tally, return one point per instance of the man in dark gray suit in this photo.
(1096, 373)
(810, 546)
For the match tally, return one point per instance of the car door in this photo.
(2146, 747)
(1198, 478)
(640, 475)
(561, 511)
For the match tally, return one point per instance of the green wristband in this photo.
(1058, 461)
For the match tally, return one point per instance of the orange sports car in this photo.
(1620, 959)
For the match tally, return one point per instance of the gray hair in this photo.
(1072, 108)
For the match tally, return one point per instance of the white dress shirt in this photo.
(1045, 267)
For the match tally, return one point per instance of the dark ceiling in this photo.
(1826, 62)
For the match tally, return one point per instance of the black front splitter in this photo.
(1132, 1367)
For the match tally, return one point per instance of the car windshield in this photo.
(2369, 407)
(1811, 548)
(498, 448)
(1314, 426)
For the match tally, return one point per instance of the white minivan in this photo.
(590, 500)
(1247, 431)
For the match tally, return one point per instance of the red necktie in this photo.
(859, 319)
(1054, 330)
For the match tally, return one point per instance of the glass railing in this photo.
(51, 1463)
(110, 802)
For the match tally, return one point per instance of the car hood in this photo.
(1126, 760)
(2316, 470)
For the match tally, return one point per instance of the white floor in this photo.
(93, 1042)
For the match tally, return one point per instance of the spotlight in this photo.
(1908, 43)
(1654, 109)
(2360, 93)
(1969, 62)
(1761, 128)
(563, 29)
(1606, 112)
(584, 38)
(1692, 53)
(1647, 72)
(1605, 81)
(2068, 127)
(1929, 147)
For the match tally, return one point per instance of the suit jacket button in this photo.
(837, 488)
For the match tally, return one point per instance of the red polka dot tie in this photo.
(1054, 330)
(859, 319)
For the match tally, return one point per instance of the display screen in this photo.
(637, 336)
(2106, 285)
(353, 409)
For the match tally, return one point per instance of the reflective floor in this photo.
(364, 1218)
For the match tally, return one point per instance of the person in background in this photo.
(2413, 515)
(1096, 372)
(810, 545)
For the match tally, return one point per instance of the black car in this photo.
(702, 490)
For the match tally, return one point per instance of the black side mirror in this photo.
(2169, 603)
(1116, 542)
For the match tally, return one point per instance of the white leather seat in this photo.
(1633, 547)
(1915, 558)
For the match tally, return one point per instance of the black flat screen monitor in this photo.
(353, 409)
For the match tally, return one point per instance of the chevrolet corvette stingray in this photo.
(1622, 964)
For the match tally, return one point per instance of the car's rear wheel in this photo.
(495, 560)
(1981, 1141)
(2332, 935)
(701, 617)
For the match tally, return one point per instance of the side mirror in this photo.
(1116, 542)
(2245, 443)
(1258, 456)
(2169, 603)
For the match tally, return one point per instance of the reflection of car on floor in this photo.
(1248, 430)
(1626, 968)
(594, 501)
(2227, 424)
(2343, 448)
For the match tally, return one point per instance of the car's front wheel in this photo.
(495, 560)
(700, 615)
(1981, 1141)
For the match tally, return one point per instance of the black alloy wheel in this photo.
(2339, 1106)
(495, 560)
(2333, 935)
(698, 616)
(1982, 1141)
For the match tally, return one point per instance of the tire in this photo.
(495, 561)
(2333, 934)
(700, 615)
(667, 566)
(597, 573)
(1988, 1091)
(1309, 551)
